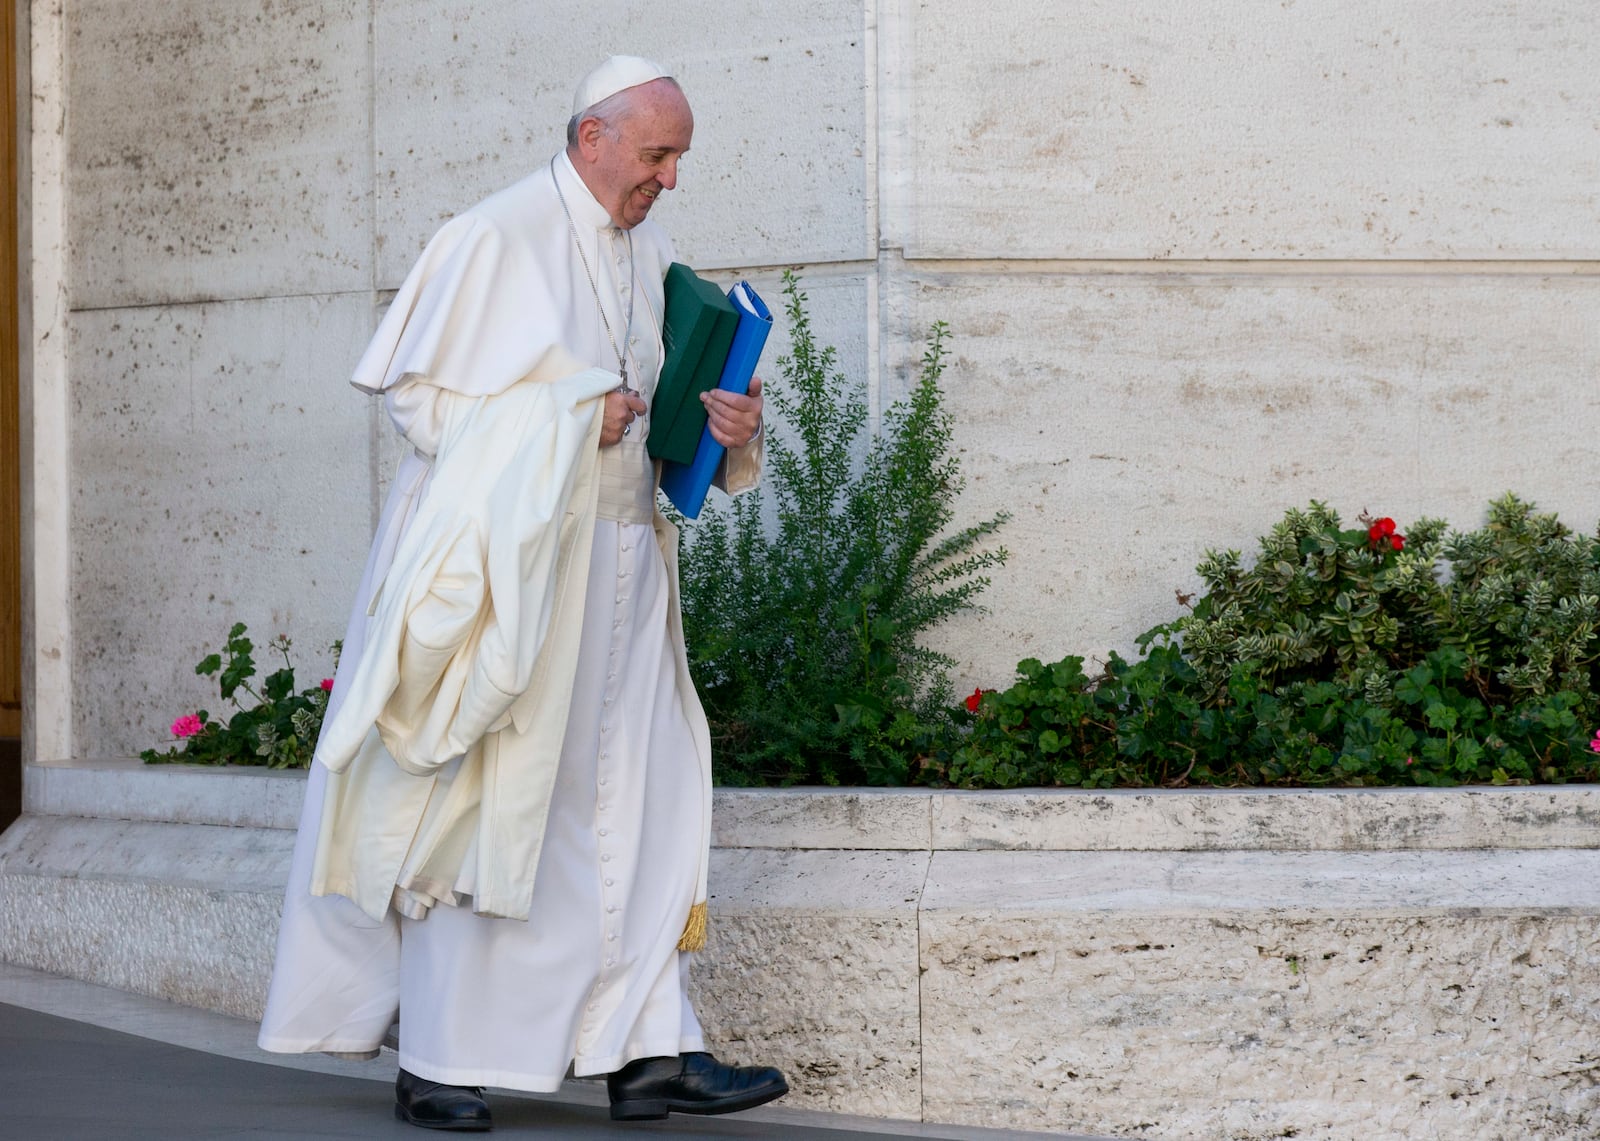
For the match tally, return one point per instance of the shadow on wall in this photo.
(10, 781)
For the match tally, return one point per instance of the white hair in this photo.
(609, 110)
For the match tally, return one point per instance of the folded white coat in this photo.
(465, 626)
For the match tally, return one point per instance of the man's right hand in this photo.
(621, 410)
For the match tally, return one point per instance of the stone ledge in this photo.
(138, 851)
(188, 794)
(1416, 884)
(1178, 995)
(1227, 1028)
(1380, 819)
(1390, 819)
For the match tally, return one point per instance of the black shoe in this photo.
(650, 1088)
(435, 1106)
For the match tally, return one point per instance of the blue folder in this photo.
(686, 484)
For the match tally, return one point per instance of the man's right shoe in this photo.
(650, 1088)
(435, 1106)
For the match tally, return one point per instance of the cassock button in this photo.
(604, 832)
(612, 910)
(611, 962)
(610, 882)
(605, 859)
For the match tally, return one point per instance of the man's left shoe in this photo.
(435, 1106)
(650, 1088)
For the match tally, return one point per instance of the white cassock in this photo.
(593, 978)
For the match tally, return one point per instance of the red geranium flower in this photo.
(975, 698)
(1382, 532)
(327, 683)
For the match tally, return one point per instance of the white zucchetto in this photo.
(618, 73)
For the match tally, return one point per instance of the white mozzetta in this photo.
(174, 542)
(1226, 129)
(217, 150)
(471, 97)
(1130, 422)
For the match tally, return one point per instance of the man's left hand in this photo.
(735, 420)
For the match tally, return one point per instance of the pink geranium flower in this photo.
(1595, 744)
(327, 684)
(186, 726)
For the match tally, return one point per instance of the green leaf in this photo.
(279, 685)
(1441, 717)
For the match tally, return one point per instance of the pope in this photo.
(506, 828)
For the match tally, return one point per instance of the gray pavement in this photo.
(85, 1063)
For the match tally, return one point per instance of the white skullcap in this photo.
(618, 73)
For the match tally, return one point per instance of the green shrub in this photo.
(803, 640)
(279, 730)
(1350, 657)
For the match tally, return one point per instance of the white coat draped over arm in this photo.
(469, 629)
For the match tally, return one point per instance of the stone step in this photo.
(1410, 963)
(1544, 816)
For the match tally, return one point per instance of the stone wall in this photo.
(1202, 262)
(1212, 966)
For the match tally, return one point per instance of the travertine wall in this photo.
(1202, 262)
(1349, 965)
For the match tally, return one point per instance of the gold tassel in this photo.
(694, 931)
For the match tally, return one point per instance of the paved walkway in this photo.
(85, 1063)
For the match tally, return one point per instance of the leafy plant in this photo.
(1341, 656)
(804, 640)
(280, 730)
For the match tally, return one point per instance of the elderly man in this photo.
(506, 827)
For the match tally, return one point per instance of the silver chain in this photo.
(633, 286)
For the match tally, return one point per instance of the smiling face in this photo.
(629, 157)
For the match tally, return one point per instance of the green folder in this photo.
(697, 330)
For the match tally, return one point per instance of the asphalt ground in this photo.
(86, 1063)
